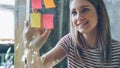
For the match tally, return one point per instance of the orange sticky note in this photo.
(48, 21)
(36, 4)
(35, 20)
(49, 3)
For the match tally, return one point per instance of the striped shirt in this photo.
(91, 56)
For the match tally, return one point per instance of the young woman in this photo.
(88, 45)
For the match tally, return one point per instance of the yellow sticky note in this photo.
(49, 3)
(35, 20)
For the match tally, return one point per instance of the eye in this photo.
(74, 13)
(85, 10)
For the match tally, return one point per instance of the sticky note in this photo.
(35, 20)
(48, 21)
(36, 4)
(49, 3)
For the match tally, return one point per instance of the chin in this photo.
(82, 31)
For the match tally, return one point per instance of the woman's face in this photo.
(84, 16)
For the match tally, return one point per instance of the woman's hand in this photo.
(34, 38)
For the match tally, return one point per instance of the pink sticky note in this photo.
(48, 21)
(36, 4)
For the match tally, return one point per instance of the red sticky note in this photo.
(36, 4)
(48, 21)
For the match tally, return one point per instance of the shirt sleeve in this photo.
(64, 42)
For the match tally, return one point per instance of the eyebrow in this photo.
(82, 7)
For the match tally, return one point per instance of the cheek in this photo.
(93, 18)
(74, 21)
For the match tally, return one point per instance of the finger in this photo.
(26, 23)
(46, 33)
(41, 31)
(27, 26)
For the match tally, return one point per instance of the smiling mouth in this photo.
(83, 24)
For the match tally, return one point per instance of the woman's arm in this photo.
(47, 60)
(33, 41)
(53, 56)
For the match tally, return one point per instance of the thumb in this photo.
(26, 23)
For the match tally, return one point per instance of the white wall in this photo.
(113, 7)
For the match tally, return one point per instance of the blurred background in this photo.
(7, 23)
(13, 14)
(113, 8)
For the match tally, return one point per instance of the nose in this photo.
(80, 19)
